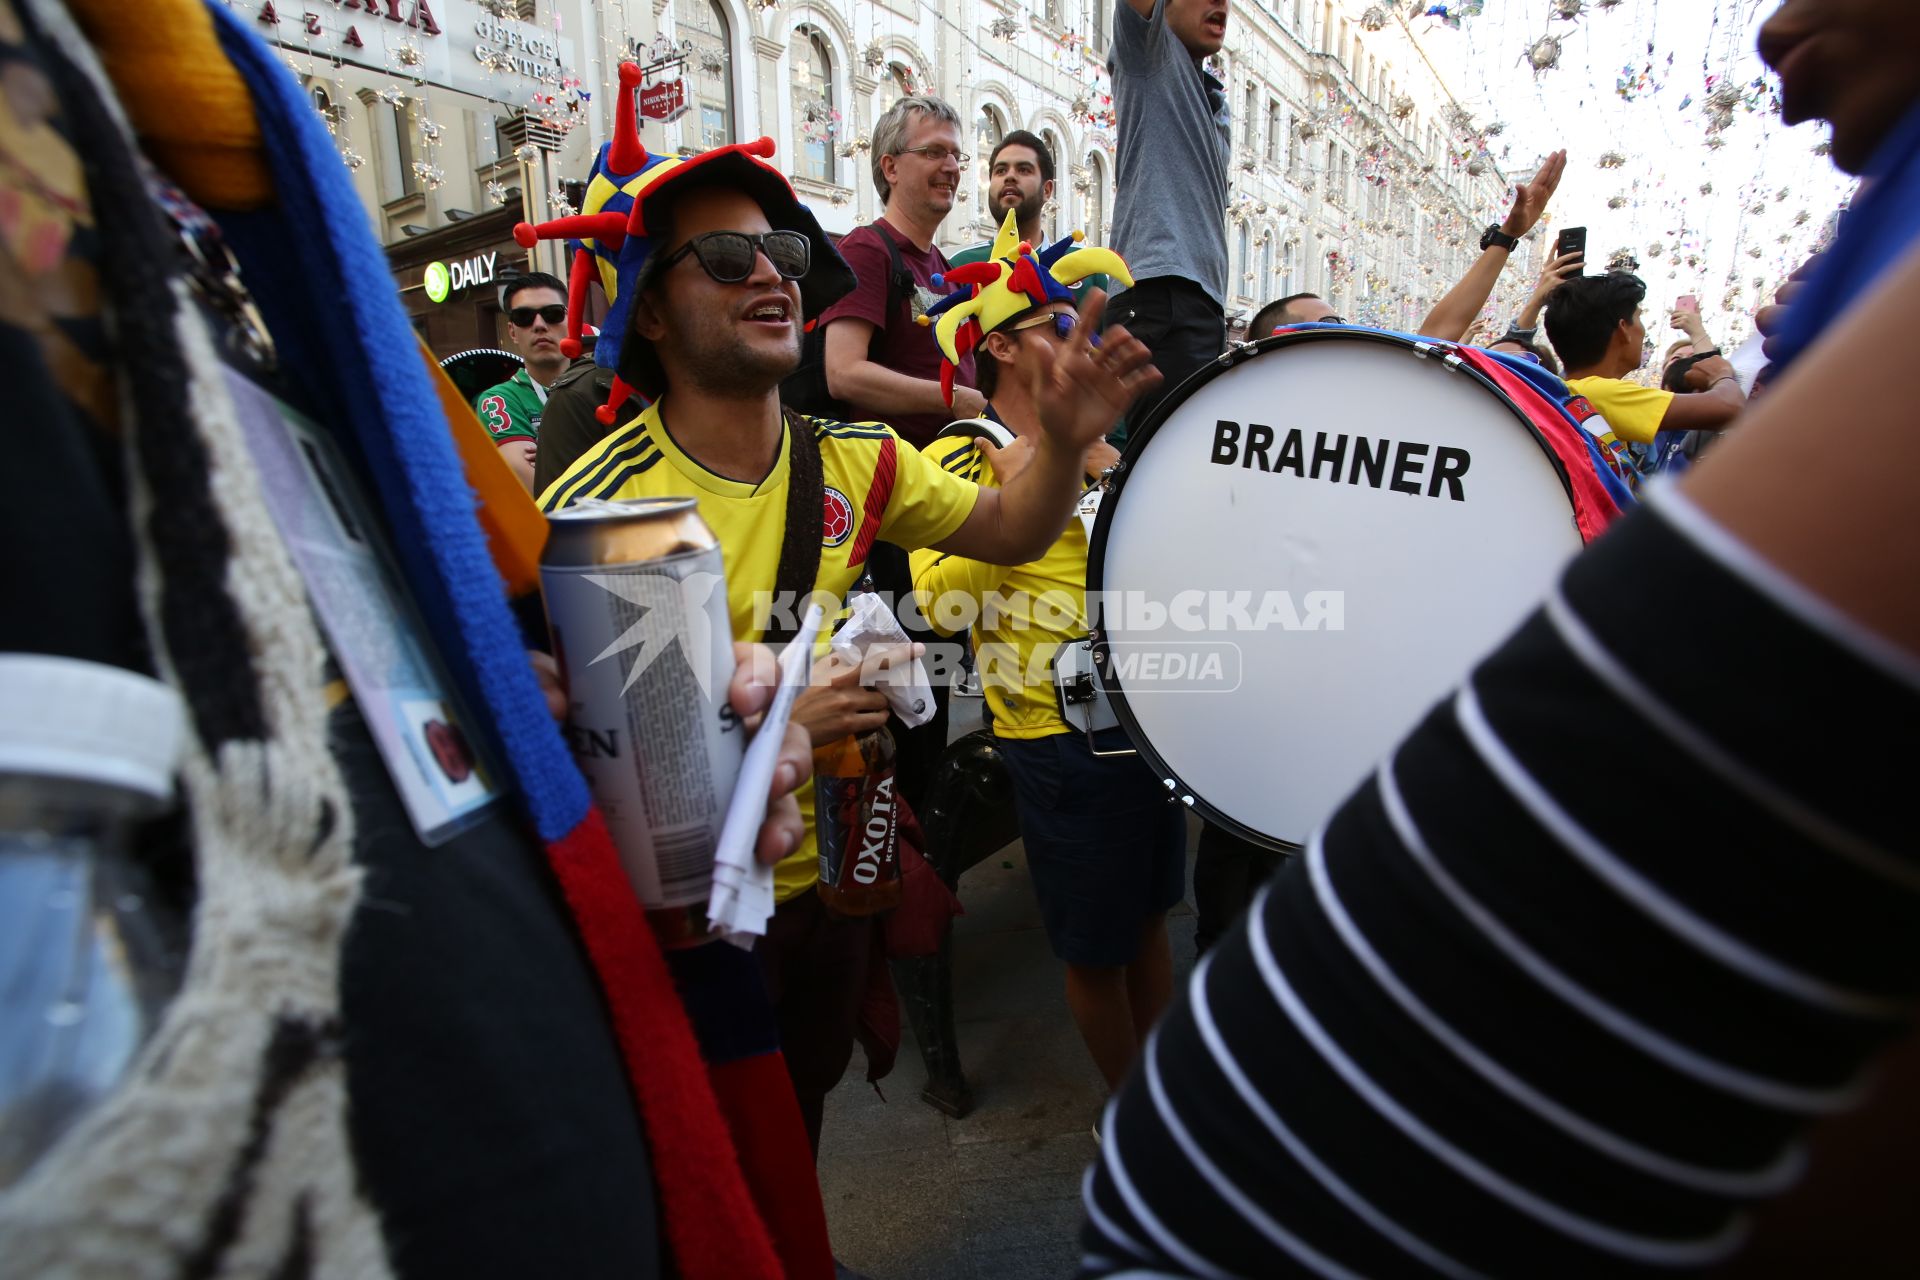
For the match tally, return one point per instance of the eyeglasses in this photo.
(1063, 323)
(728, 256)
(939, 154)
(523, 316)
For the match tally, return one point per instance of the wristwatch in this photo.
(1495, 236)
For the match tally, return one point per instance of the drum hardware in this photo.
(1235, 352)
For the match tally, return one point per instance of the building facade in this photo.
(1356, 175)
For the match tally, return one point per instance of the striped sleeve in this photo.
(1557, 990)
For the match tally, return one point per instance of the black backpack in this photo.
(805, 389)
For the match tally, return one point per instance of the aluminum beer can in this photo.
(636, 600)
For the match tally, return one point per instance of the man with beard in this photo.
(737, 264)
(536, 307)
(1020, 176)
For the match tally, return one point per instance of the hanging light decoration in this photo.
(352, 158)
(874, 55)
(526, 153)
(497, 191)
(1616, 202)
(1622, 260)
(1375, 18)
(1568, 10)
(1655, 249)
(1611, 160)
(1706, 188)
(1544, 54)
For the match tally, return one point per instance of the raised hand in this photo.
(1530, 198)
(1084, 389)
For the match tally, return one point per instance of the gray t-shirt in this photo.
(1170, 202)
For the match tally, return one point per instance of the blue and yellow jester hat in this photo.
(609, 237)
(1012, 281)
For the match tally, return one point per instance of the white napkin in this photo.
(742, 897)
(869, 623)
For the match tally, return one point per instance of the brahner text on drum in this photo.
(1377, 463)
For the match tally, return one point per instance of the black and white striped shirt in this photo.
(1554, 992)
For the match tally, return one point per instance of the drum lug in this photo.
(1236, 351)
(1448, 356)
(1109, 476)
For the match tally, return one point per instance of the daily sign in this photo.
(442, 278)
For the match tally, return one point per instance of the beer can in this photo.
(636, 600)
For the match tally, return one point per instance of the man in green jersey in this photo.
(536, 307)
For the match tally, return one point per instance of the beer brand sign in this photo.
(664, 100)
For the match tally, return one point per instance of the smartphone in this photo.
(1688, 302)
(1572, 240)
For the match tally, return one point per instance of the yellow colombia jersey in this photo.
(1634, 412)
(878, 487)
(1024, 613)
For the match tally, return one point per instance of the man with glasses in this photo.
(880, 362)
(536, 307)
(736, 265)
(1106, 851)
(883, 365)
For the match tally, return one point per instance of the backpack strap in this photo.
(800, 541)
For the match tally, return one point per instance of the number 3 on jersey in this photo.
(493, 412)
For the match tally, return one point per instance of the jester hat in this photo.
(1011, 281)
(609, 236)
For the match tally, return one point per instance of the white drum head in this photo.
(1303, 624)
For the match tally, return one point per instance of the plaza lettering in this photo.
(419, 16)
(1336, 458)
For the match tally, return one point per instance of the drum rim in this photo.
(1178, 789)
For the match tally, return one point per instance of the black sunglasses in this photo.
(727, 256)
(523, 316)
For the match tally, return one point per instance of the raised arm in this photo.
(1721, 402)
(1452, 314)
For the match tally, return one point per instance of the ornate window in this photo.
(709, 74)
(816, 121)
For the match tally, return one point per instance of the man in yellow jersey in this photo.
(735, 264)
(1106, 850)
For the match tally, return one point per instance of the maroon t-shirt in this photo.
(899, 343)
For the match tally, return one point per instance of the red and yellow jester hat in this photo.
(610, 235)
(1012, 281)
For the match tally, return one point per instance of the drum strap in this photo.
(800, 543)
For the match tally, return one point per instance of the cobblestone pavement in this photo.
(914, 1195)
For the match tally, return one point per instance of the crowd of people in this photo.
(1519, 1007)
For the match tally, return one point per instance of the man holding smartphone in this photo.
(1595, 327)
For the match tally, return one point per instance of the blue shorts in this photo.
(1106, 848)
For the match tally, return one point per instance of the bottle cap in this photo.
(64, 718)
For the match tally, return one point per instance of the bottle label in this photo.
(858, 827)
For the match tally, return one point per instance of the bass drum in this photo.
(1309, 543)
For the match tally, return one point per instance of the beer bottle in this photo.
(857, 822)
